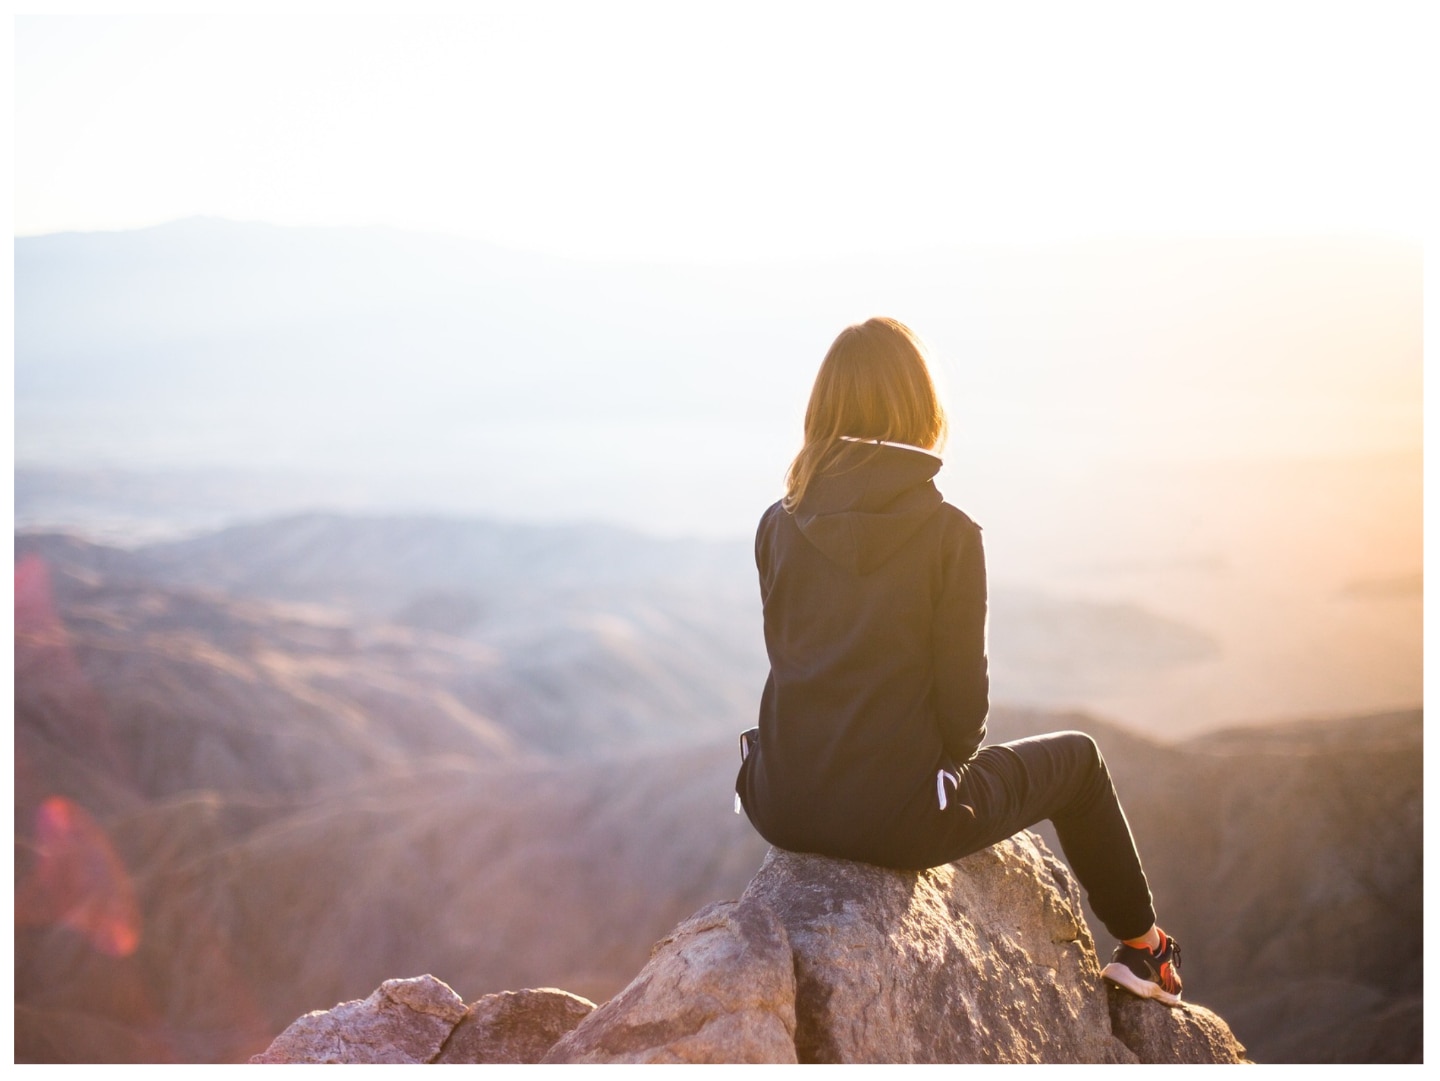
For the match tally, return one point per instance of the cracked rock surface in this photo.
(986, 960)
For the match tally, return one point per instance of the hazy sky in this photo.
(741, 131)
(732, 130)
(1030, 133)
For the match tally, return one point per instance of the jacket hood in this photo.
(868, 502)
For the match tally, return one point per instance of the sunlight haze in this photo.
(552, 263)
(395, 398)
(735, 132)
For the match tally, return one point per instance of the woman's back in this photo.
(868, 745)
(874, 598)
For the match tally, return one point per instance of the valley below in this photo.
(261, 769)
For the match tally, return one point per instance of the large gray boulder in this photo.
(719, 988)
(987, 960)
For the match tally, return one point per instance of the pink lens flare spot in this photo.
(78, 881)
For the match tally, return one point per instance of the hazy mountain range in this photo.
(234, 808)
(575, 637)
(1220, 433)
(385, 603)
(448, 375)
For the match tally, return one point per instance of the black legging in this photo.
(1061, 777)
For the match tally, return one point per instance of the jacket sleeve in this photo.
(764, 539)
(962, 669)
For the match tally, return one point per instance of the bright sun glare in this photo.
(677, 131)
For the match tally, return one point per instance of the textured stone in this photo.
(1161, 1034)
(515, 1026)
(403, 1021)
(987, 960)
(720, 988)
(983, 961)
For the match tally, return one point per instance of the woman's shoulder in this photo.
(774, 513)
(960, 541)
(955, 518)
(773, 516)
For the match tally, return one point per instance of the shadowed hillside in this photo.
(569, 638)
(233, 808)
(1287, 858)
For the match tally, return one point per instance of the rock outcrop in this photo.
(987, 960)
(402, 1022)
(514, 1027)
(422, 1020)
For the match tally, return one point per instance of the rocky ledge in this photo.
(820, 960)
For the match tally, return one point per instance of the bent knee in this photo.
(1083, 745)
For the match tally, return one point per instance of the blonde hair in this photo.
(874, 383)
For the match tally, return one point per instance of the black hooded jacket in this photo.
(874, 600)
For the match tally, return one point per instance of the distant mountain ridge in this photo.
(530, 590)
(209, 309)
(557, 664)
(221, 343)
(1287, 857)
(292, 787)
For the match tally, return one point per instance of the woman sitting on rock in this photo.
(871, 723)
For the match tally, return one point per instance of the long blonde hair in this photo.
(874, 384)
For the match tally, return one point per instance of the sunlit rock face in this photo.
(984, 961)
(514, 1027)
(404, 1022)
(421, 1020)
(827, 961)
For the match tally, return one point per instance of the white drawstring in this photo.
(744, 754)
(940, 778)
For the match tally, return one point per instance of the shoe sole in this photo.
(1120, 974)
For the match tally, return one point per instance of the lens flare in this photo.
(78, 881)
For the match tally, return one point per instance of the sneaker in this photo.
(1147, 973)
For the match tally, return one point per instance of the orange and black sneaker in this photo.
(1148, 973)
